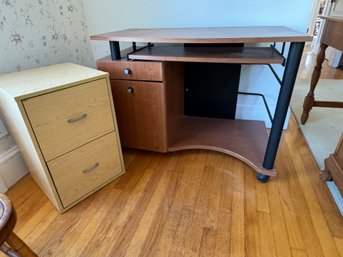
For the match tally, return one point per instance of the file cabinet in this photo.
(63, 119)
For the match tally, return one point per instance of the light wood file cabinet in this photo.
(63, 119)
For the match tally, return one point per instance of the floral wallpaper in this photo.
(36, 33)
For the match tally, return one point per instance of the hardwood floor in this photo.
(191, 203)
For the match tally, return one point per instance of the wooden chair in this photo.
(10, 243)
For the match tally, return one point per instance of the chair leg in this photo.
(8, 251)
(19, 247)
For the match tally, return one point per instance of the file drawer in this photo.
(65, 119)
(80, 172)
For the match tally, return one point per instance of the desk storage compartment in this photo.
(211, 89)
(82, 171)
(140, 108)
(65, 119)
(149, 71)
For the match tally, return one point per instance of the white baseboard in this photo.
(12, 168)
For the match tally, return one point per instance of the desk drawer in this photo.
(82, 171)
(65, 119)
(132, 70)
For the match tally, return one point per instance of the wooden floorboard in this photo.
(191, 203)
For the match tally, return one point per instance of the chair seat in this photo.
(8, 219)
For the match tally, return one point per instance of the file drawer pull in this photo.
(81, 117)
(96, 165)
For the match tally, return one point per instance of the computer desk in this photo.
(148, 88)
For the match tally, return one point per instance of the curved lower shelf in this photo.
(243, 139)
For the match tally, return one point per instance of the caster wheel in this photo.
(262, 178)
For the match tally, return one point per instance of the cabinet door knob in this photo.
(127, 71)
(130, 90)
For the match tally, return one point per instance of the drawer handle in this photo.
(96, 165)
(81, 117)
(130, 90)
(127, 71)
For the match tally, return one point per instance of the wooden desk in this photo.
(332, 36)
(161, 69)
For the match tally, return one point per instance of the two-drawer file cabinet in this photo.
(63, 119)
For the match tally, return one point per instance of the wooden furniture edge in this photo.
(158, 35)
(115, 121)
(242, 55)
(208, 134)
(258, 169)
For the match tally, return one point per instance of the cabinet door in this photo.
(140, 109)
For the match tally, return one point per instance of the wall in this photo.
(36, 33)
(108, 15)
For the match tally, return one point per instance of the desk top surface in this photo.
(207, 35)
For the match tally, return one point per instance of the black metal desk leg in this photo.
(115, 50)
(287, 85)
